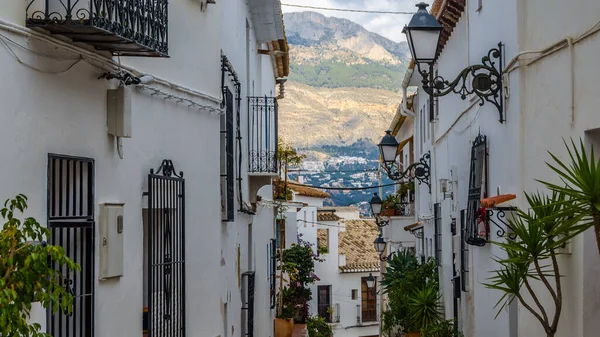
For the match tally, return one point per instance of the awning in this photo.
(403, 143)
(413, 226)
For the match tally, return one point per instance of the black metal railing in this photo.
(262, 134)
(248, 302)
(464, 252)
(70, 206)
(437, 240)
(166, 252)
(477, 230)
(498, 217)
(124, 27)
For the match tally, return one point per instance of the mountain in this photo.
(341, 95)
(344, 82)
(312, 117)
(333, 52)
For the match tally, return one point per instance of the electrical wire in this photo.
(348, 10)
(12, 53)
(346, 188)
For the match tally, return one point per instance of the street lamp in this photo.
(380, 247)
(388, 149)
(423, 34)
(376, 206)
(424, 29)
(370, 281)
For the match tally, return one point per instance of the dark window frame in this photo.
(227, 200)
(478, 178)
(324, 308)
(70, 222)
(368, 301)
(464, 252)
(437, 238)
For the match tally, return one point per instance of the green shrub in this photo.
(317, 327)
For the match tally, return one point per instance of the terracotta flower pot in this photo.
(284, 327)
(414, 334)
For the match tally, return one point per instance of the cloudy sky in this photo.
(388, 25)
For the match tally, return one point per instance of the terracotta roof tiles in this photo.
(327, 216)
(356, 243)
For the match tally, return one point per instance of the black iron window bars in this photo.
(262, 134)
(70, 207)
(166, 252)
(123, 27)
(464, 252)
(437, 237)
(477, 227)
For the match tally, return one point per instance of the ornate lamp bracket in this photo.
(485, 81)
(419, 171)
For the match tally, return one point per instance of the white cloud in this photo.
(388, 25)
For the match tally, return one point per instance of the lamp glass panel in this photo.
(388, 153)
(376, 208)
(424, 44)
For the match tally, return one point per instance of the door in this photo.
(324, 302)
(71, 222)
(166, 247)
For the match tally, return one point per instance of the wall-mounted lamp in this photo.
(444, 188)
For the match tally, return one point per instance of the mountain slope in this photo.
(332, 52)
(323, 116)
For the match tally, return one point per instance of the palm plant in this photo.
(425, 308)
(541, 231)
(581, 183)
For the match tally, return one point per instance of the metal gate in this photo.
(166, 247)
(70, 211)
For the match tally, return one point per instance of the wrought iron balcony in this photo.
(123, 27)
(262, 134)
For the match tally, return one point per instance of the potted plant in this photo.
(391, 205)
(284, 319)
(424, 308)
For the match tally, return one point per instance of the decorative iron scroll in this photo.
(419, 171)
(483, 80)
(144, 22)
(497, 216)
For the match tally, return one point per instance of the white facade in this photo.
(547, 101)
(60, 111)
(345, 295)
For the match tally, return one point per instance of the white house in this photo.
(549, 50)
(341, 295)
(151, 171)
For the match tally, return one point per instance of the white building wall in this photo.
(350, 324)
(546, 118)
(538, 116)
(66, 114)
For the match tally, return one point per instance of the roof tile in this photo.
(356, 242)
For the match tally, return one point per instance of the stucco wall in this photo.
(66, 114)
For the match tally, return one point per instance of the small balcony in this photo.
(122, 27)
(262, 135)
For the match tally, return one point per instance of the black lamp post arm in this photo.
(484, 80)
(419, 170)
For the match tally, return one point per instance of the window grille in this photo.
(464, 252)
(227, 178)
(70, 207)
(248, 304)
(437, 240)
(477, 228)
(273, 272)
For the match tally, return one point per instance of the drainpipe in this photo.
(404, 107)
